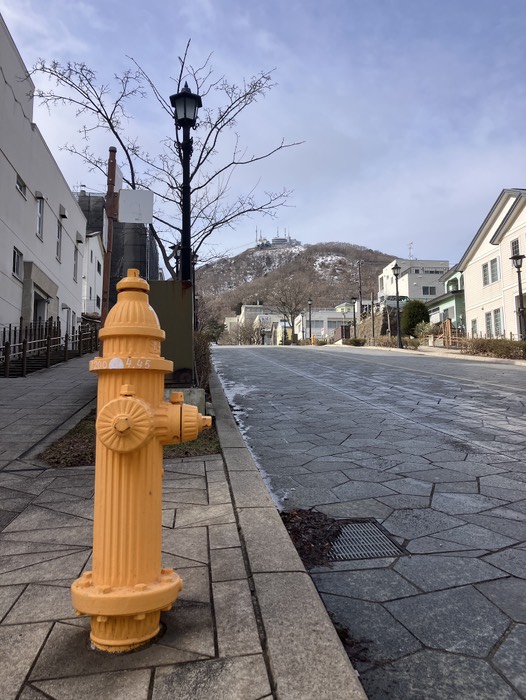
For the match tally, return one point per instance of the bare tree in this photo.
(289, 297)
(243, 334)
(107, 107)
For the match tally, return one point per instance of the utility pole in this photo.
(110, 207)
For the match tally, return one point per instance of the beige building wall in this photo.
(490, 280)
(42, 228)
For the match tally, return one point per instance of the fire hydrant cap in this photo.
(133, 282)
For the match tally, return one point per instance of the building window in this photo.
(21, 186)
(490, 272)
(98, 302)
(90, 293)
(75, 263)
(40, 218)
(91, 256)
(488, 324)
(59, 240)
(497, 322)
(494, 270)
(17, 263)
(429, 291)
(99, 267)
(515, 248)
(474, 330)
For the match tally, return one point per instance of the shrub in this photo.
(423, 328)
(413, 313)
(203, 360)
(412, 343)
(495, 347)
(385, 341)
(357, 342)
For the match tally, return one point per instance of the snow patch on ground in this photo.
(233, 390)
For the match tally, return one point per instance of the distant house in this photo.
(450, 304)
(418, 279)
(321, 324)
(42, 228)
(490, 279)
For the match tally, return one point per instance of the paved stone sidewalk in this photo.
(435, 453)
(249, 624)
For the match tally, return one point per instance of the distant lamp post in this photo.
(186, 106)
(396, 272)
(284, 331)
(517, 262)
(309, 302)
(353, 302)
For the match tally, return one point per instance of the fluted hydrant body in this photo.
(127, 588)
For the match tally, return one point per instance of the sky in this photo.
(410, 112)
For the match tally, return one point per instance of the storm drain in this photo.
(362, 539)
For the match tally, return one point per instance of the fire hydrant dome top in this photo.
(132, 309)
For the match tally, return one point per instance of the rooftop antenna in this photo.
(411, 256)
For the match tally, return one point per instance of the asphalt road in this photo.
(432, 449)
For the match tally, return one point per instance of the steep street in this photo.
(432, 449)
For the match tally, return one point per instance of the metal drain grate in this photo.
(362, 539)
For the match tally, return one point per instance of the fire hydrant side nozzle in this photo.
(128, 587)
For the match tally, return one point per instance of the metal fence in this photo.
(26, 350)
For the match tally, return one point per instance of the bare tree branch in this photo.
(108, 106)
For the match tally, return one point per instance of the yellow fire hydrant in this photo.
(127, 589)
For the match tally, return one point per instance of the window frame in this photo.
(40, 218)
(75, 263)
(432, 291)
(17, 263)
(497, 322)
(59, 240)
(494, 270)
(485, 275)
(21, 186)
(488, 321)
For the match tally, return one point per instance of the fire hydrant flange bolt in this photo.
(122, 424)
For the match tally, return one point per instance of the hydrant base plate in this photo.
(88, 599)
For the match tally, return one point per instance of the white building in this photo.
(418, 279)
(92, 274)
(321, 323)
(490, 279)
(42, 229)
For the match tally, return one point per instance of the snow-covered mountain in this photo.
(330, 273)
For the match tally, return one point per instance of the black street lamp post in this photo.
(309, 302)
(353, 302)
(517, 262)
(186, 105)
(396, 272)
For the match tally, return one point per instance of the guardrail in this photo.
(19, 359)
